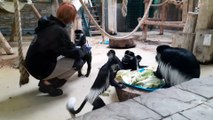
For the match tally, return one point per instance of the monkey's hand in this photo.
(78, 64)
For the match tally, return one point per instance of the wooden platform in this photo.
(123, 43)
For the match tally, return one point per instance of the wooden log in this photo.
(190, 22)
(185, 10)
(13, 32)
(205, 18)
(183, 40)
(54, 6)
(203, 46)
(191, 5)
(103, 18)
(35, 11)
(112, 16)
(123, 43)
(163, 16)
(5, 45)
(144, 27)
(165, 23)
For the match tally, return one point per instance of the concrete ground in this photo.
(26, 103)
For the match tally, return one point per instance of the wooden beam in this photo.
(177, 24)
(5, 45)
(35, 11)
(185, 10)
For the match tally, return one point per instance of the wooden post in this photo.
(191, 5)
(54, 6)
(35, 11)
(5, 45)
(185, 10)
(163, 16)
(190, 22)
(112, 16)
(144, 27)
(203, 47)
(103, 19)
(185, 39)
(13, 32)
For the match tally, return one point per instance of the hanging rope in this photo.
(113, 37)
(24, 77)
(124, 7)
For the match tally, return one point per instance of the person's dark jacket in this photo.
(51, 40)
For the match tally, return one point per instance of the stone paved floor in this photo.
(192, 100)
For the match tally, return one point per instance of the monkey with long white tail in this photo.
(104, 78)
(176, 65)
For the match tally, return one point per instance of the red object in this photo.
(66, 13)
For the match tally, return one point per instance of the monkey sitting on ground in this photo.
(176, 65)
(130, 61)
(80, 41)
(104, 78)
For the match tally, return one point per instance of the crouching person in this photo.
(52, 58)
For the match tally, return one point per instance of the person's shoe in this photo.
(49, 89)
(57, 83)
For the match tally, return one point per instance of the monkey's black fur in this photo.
(130, 61)
(176, 65)
(104, 78)
(80, 40)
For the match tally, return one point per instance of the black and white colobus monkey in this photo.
(130, 61)
(104, 78)
(176, 65)
(80, 40)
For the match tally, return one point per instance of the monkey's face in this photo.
(160, 50)
(80, 38)
(111, 54)
(157, 57)
(128, 58)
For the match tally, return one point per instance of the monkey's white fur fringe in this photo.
(94, 93)
(172, 74)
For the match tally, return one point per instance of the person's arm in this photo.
(68, 48)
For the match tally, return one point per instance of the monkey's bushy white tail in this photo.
(70, 106)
